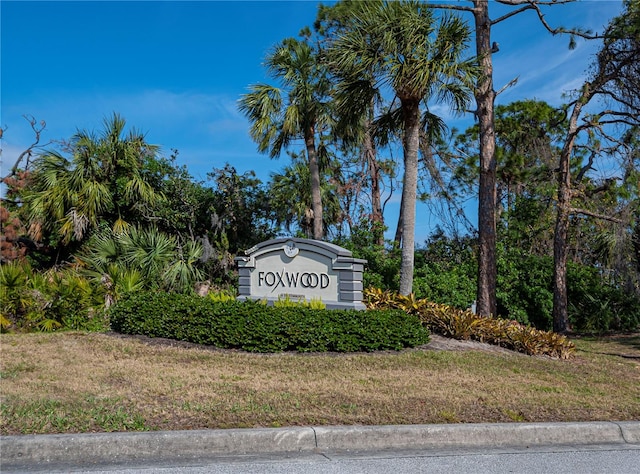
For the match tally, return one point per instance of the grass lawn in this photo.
(89, 382)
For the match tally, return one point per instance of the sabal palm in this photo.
(103, 181)
(356, 103)
(290, 198)
(297, 111)
(404, 47)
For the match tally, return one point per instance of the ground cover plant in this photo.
(464, 324)
(88, 382)
(48, 301)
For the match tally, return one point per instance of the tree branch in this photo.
(587, 167)
(606, 186)
(37, 130)
(554, 31)
(449, 7)
(596, 215)
(511, 83)
(511, 13)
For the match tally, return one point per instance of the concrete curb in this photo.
(483, 435)
(97, 448)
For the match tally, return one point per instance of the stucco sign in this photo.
(301, 269)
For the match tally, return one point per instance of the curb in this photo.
(97, 448)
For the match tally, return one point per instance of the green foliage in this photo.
(187, 205)
(141, 258)
(525, 287)
(446, 274)
(255, 327)
(453, 287)
(240, 208)
(445, 270)
(315, 303)
(529, 135)
(13, 279)
(102, 182)
(49, 301)
(459, 324)
(290, 197)
(596, 307)
(381, 270)
(74, 302)
(528, 225)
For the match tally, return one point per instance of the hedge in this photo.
(255, 327)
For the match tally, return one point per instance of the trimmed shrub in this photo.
(255, 327)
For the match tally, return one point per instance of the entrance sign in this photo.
(301, 269)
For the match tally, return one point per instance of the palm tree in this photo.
(141, 258)
(289, 193)
(403, 46)
(102, 182)
(356, 104)
(290, 199)
(297, 111)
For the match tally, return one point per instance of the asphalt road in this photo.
(589, 447)
(602, 459)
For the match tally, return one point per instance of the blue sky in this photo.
(175, 70)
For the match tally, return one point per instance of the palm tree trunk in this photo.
(316, 198)
(411, 112)
(485, 97)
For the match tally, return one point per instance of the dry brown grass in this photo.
(77, 382)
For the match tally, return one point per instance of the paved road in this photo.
(598, 447)
(603, 459)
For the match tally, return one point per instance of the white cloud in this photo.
(545, 74)
(544, 64)
(194, 123)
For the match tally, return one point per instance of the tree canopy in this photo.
(557, 242)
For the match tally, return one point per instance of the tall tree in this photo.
(356, 105)
(299, 110)
(487, 198)
(290, 199)
(403, 47)
(485, 98)
(101, 183)
(615, 77)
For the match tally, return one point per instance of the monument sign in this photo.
(302, 269)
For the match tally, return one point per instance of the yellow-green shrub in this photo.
(287, 302)
(464, 324)
(221, 296)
